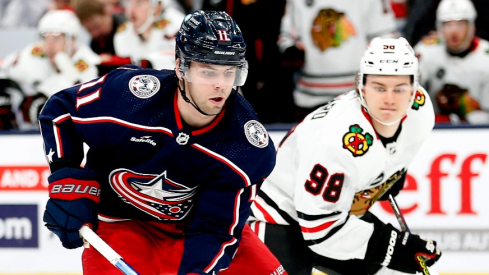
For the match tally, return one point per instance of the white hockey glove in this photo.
(399, 250)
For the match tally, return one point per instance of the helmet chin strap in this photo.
(382, 122)
(184, 96)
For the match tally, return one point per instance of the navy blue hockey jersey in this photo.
(153, 166)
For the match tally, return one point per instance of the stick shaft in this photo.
(404, 227)
(106, 251)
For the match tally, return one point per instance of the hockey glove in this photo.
(7, 116)
(399, 250)
(31, 107)
(74, 194)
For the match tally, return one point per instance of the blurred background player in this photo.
(52, 64)
(177, 155)
(454, 66)
(313, 208)
(331, 35)
(149, 34)
(97, 18)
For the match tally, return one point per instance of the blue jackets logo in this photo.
(18, 226)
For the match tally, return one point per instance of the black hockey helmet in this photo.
(211, 37)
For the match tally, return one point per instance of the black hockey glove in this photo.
(399, 250)
(31, 107)
(74, 194)
(7, 116)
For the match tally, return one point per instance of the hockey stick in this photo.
(404, 227)
(106, 251)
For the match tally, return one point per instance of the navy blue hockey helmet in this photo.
(211, 37)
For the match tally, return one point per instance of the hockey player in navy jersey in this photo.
(313, 208)
(175, 159)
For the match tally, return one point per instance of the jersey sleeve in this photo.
(61, 141)
(323, 196)
(62, 116)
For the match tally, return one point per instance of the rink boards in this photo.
(445, 198)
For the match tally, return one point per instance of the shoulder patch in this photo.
(256, 133)
(122, 27)
(144, 86)
(81, 65)
(161, 24)
(419, 100)
(430, 40)
(37, 51)
(357, 142)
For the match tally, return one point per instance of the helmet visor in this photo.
(213, 74)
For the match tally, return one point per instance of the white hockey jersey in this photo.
(34, 72)
(330, 164)
(159, 49)
(471, 72)
(334, 35)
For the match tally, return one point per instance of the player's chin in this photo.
(214, 110)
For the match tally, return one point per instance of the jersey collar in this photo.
(179, 122)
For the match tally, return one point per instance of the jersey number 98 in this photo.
(317, 179)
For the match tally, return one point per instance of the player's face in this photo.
(99, 26)
(210, 85)
(388, 96)
(455, 33)
(53, 43)
(137, 11)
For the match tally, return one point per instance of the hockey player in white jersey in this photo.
(454, 66)
(149, 34)
(313, 208)
(333, 35)
(52, 64)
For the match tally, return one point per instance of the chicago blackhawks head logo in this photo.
(357, 142)
(419, 100)
(330, 28)
(366, 198)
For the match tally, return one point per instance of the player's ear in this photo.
(177, 68)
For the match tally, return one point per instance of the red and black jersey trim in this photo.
(330, 233)
(271, 203)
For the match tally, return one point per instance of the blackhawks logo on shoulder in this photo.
(419, 100)
(357, 142)
(144, 86)
(256, 133)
